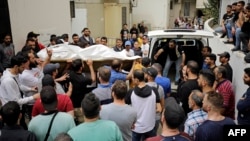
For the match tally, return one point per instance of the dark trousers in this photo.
(244, 39)
(142, 136)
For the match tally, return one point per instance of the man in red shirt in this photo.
(64, 101)
(225, 87)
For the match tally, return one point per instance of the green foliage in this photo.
(212, 10)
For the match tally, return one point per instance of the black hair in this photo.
(76, 65)
(229, 6)
(241, 2)
(193, 66)
(247, 71)
(209, 49)
(91, 106)
(85, 29)
(209, 76)
(139, 74)
(18, 60)
(10, 113)
(74, 35)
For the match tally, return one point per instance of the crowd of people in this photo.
(235, 26)
(39, 102)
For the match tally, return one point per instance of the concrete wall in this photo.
(152, 12)
(45, 17)
(96, 15)
(236, 60)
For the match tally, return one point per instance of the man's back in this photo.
(103, 92)
(40, 124)
(16, 133)
(212, 130)
(123, 115)
(185, 91)
(141, 99)
(96, 131)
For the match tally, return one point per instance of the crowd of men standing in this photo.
(59, 105)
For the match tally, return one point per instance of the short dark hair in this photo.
(193, 66)
(104, 73)
(241, 2)
(76, 64)
(74, 35)
(139, 74)
(235, 3)
(222, 70)
(10, 113)
(64, 36)
(248, 7)
(247, 71)
(145, 61)
(120, 89)
(212, 56)
(91, 106)
(208, 75)
(85, 29)
(209, 49)
(172, 41)
(229, 6)
(104, 38)
(216, 99)
(18, 60)
(49, 98)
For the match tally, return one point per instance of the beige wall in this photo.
(152, 12)
(45, 17)
(96, 16)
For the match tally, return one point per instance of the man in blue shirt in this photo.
(243, 105)
(163, 81)
(116, 73)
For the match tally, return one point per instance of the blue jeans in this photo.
(142, 136)
(237, 37)
(177, 67)
(229, 31)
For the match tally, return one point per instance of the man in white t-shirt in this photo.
(145, 46)
(128, 51)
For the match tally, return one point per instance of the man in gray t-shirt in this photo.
(119, 112)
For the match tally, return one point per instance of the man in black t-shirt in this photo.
(245, 31)
(175, 54)
(227, 17)
(80, 81)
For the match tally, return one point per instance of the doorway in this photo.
(4, 19)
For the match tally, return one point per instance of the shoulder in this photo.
(156, 138)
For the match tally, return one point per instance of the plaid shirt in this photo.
(195, 118)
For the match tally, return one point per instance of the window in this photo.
(124, 15)
(186, 9)
(171, 5)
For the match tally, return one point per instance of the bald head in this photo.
(116, 64)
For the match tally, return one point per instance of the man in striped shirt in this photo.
(225, 87)
(197, 116)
